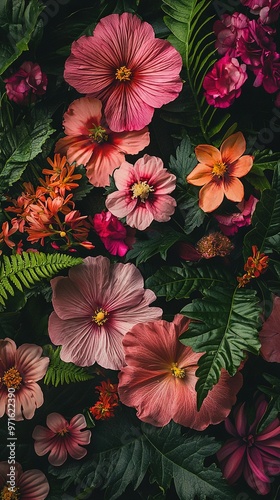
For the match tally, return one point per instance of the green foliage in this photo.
(227, 326)
(18, 271)
(85, 186)
(183, 163)
(60, 373)
(159, 242)
(273, 408)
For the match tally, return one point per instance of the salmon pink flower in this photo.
(29, 485)
(61, 438)
(253, 454)
(142, 194)
(218, 172)
(127, 68)
(159, 378)
(20, 369)
(94, 307)
(270, 334)
(90, 142)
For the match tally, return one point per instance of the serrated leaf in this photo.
(227, 326)
(184, 162)
(159, 242)
(191, 211)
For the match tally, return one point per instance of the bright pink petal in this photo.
(233, 467)
(131, 142)
(140, 218)
(82, 114)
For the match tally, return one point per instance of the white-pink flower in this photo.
(143, 192)
(94, 307)
(20, 369)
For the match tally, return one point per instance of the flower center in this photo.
(9, 494)
(177, 372)
(63, 432)
(219, 169)
(12, 378)
(100, 316)
(142, 190)
(123, 73)
(98, 134)
(249, 440)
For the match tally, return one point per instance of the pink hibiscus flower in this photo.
(125, 66)
(29, 485)
(142, 194)
(159, 379)
(90, 142)
(270, 334)
(255, 455)
(94, 307)
(61, 438)
(20, 369)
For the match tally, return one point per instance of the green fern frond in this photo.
(19, 271)
(59, 372)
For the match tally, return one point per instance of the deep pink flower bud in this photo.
(28, 82)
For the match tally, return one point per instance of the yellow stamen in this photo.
(7, 494)
(63, 432)
(177, 372)
(12, 378)
(142, 190)
(98, 134)
(123, 73)
(62, 234)
(219, 169)
(100, 316)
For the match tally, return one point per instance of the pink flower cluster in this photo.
(268, 10)
(28, 82)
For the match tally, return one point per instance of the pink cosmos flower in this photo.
(159, 379)
(270, 334)
(29, 485)
(20, 369)
(28, 82)
(90, 142)
(228, 31)
(229, 224)
(94, 307)
(61, 438)
(255, 455)
(127, 68)
(223, 83)
(142, 194)
(113, 234)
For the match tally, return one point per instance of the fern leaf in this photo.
(59, 372)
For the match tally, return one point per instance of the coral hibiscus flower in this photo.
(90, 142)
(29, 485)
(20, 369)
(142, 194)
(159, 379)
(61, 438)
(218, 172)
(125, 66)
(94, 307)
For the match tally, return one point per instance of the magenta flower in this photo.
(127, 68)
(254, 455)
(255, 44)
(230, 224)
(223, 83)
(112, 233)
(90, 142)
(61, 438)
(29, 485)
(228, 31)
(269, 74)
(159, 378)
(28, 82)
(20, 369)
(143, 192)
(268, 10)
(270, 334)
(94, 307)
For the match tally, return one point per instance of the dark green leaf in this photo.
(184, 162)
(273, 408)
(158, 242)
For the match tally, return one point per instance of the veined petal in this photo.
(201, 174)
(232, 148)
(81, 115)
(104, 160)
(120, 204)
(233, 189)
(131, 142)
(211, 196)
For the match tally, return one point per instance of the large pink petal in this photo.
(151, 169)
(232, 148)
(161, 207)
(29, 362)
(125, 288)
(7, 354)
(131, 142)
(80, 150)
(71, 301)
(33, 485)
(109, 351)
(104, 160)
(233, 189)
(201, 174)
(241, 166)
(209, 155)
(233, 465)
(125, 177)
(81, 115)
(140, 218)
(120, 203)
(211, 196)
(58, 454)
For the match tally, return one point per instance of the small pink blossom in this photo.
(28, 82)
(223, 83)
(20, 369)
(143, 192)
(253, 454)
(270, 334)
(127, 68)
(29, 485)
(61, 438)
(268, 10)
(229, 224)
(228, 31)
(112, 233)
(90, 142)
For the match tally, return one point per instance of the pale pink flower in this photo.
(230, 224)
(29, 81)
(29, 485)
(143, 192)
(159, 378)
(61, 438)
(20, 369)
(94, 307)
(270, 334)
(127, 68)
(90, 142)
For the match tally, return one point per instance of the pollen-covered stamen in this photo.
(12, 378)
(219, 169)
(63, 431)
(177, 372)
(142, 190)
(100, 316)
(98, 134)
(10, 494)
(123, 73)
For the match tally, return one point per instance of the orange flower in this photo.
(218, 172)
(254, 267)
(104, 408)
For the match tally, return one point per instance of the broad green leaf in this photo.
(273, 408)
(227, 326)
(159, 242)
